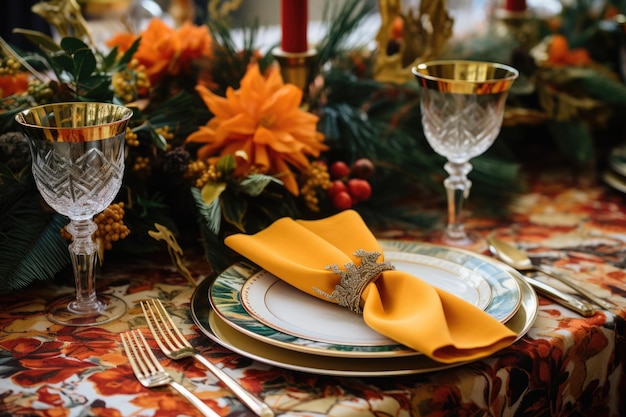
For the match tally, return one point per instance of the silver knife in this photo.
(582, 307)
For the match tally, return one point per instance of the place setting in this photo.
(251, 311)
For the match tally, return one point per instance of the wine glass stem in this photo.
(84, 252)
(457, 190)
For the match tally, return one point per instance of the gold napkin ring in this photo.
(355, 278)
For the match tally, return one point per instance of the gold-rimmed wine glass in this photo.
(462, 105)
(77, 154)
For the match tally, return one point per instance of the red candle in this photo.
(515, 5)
(294, 18)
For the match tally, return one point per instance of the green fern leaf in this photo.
(31, 247)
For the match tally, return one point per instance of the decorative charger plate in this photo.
(212, 326)
(438, 262)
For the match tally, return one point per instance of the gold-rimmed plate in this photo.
(445, 267)
(212, 326)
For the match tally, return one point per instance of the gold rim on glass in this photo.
(465, 77)
(74, 121)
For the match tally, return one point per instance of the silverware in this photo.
(151, 374)
(175, 346)
(519, 260)
(580, 306)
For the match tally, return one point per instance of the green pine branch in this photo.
(31, 246)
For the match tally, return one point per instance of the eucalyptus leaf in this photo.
(63, 62)
(71, 45)
(84, 64)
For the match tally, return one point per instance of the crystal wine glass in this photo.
(462, 105)
(78, 164)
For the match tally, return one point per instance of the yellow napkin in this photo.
(396, 304)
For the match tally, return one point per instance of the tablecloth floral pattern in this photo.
(565, 365)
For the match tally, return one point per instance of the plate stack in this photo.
(254, 313)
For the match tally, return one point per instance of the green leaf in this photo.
(158, 140)
(128, 55)
(84, 64)
(31, 247)
(226, 164)
(40, 39)
(234, 209)
(108, 61)
(600, 86)
(210, 213)
(255, 184)
(71, 45)
(64, 62)
(211, 191)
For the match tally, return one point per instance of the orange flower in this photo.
(13, 84)
(262, 125)
(560, 53)
(164, 50)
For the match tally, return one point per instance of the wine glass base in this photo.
(470, 241)
(60, 312)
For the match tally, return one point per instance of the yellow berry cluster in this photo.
(315, 178)
(40, 91)
(132, 138)
(128, 83)
(142, 166)
(123, 86)
(9, 66)
(201, 173)
(111, 227)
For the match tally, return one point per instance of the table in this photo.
(566, 365)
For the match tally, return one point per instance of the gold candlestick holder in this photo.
(296, 67)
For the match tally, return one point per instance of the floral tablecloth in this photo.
(566, 365)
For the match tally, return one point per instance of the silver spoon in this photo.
(519, 260)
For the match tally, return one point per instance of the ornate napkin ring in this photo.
(355, 278)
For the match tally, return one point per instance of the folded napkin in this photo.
(320, 257)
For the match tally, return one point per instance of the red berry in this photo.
(342, 200)
(362, 168)
(336, 187)
(359, 189)
(339, 169)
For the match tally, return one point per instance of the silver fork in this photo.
(151, 374)
(175, 346)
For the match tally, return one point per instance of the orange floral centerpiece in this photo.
(262, 125)
(165, 51)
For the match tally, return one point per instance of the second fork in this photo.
(175, 346)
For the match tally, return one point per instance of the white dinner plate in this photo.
(212, 326)
(282, 307)
(225, 296)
